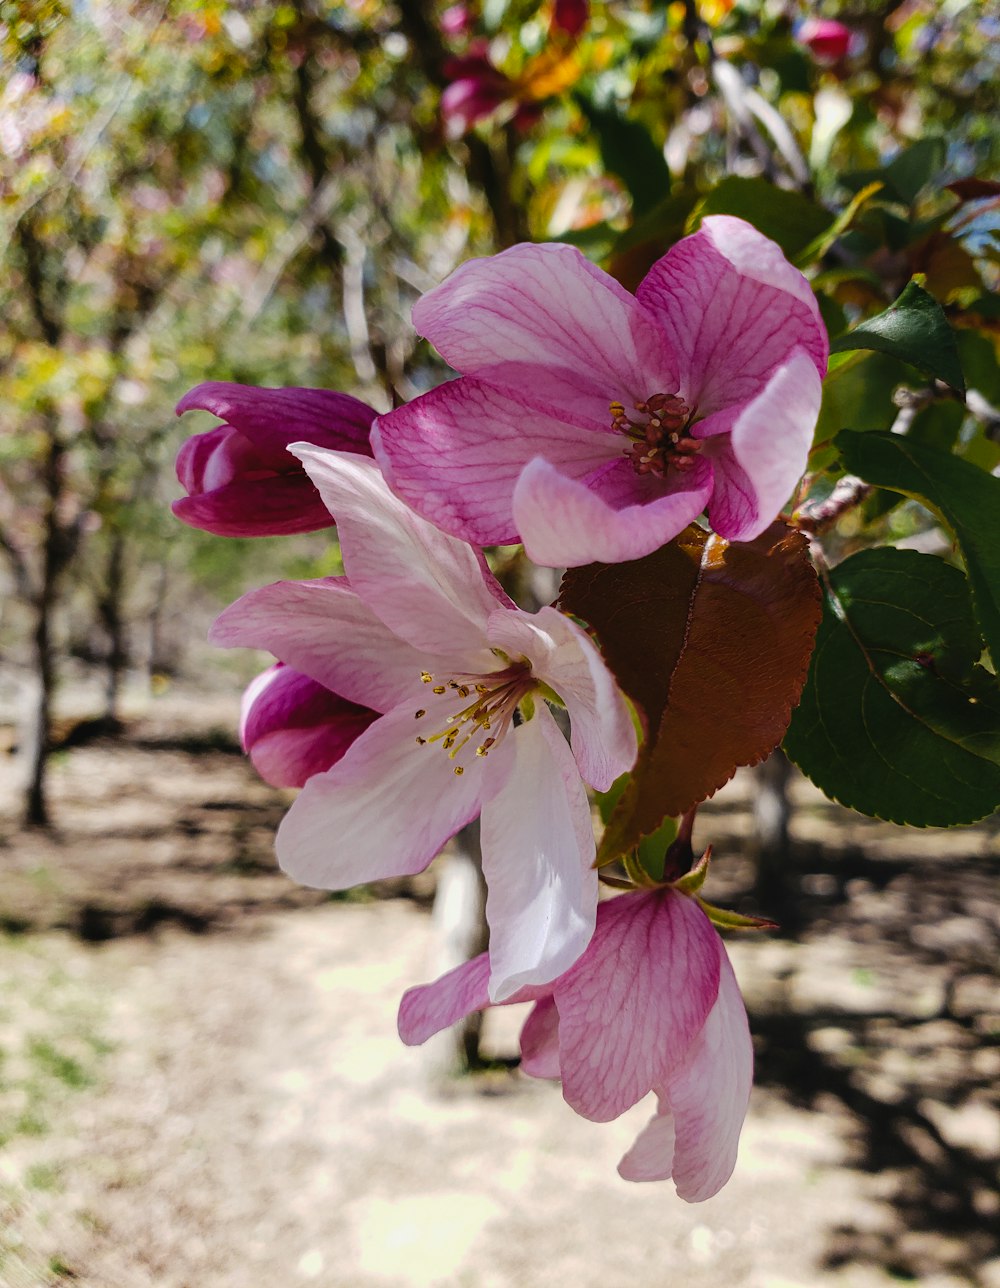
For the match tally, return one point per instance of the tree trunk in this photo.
(769, 844)
(113, 620)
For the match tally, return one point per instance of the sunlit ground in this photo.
(201, 1082)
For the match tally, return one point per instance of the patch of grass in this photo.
(42, 1176)
(58, 1065)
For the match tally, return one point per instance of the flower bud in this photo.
(826, 39)
(240, 478)
(292, 727)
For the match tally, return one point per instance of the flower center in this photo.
(659, 438)
(487, 717)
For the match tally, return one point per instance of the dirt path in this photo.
(201, 1086)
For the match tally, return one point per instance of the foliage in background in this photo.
(197, 189)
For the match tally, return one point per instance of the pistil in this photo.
(660, 440)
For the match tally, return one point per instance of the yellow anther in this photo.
(426, 677)
(459, 770)
(438, 688)
(418, 714)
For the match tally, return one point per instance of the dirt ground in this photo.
(201, 1084)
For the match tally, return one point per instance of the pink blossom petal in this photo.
(455, 454)
(709, 1095)
(325, 630)
(384, 810)
(631, 1007)
(540, 1041)
(431, 589)
(564, 523)
(279, 505)
(545, 321)
(562, 656)
(758, 464)
(732, 308)
(273, 418)
(538, 854)
(651, 1157)
(429, 1008)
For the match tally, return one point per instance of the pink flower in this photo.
(477, 89)
(651, 1005)
(292, 727)
(595, 425)
(241, 479)
(826, 39)
(456, 20)
(421, 632)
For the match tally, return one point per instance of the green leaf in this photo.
(897, 720)
(788, 218)
(966, 497)
(857, 394)
(628, 151)
(818, 247)
(912, 170)
(914, 329)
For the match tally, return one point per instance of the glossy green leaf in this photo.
(897, 720)
(966, 497)
(914, 329)
(628, 151)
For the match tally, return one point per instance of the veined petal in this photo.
(325, 630)
(538, 853)
(540, 1041)
(564, 523)
(732, 308)
(546, 320)
(454, 454)
(429, 1008)
(279, 505)
(631, 1007)
(385, 810)
(273, 418)
(709, 1095)
(602, 734)
(758, 464)
(431, 589)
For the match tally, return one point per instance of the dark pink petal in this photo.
(324, 629)
(563, 657)
(273, 418)
(199, 454)
(631, 1007)
(278, 505)
(455, 454)
(538, 854)
(429, 1008)
(545, 322)
(431, 589)
(293, 727)
(732, 308)
(471, 99)
(759, 463)
(540, 1041)
(384, 810)
(709, 1096)
(563, 523)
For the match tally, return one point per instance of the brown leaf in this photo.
(711, 640)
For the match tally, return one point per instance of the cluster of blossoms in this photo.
(412, 695)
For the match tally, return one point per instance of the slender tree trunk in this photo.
(55, 550)
(769, 842)
(113, 620)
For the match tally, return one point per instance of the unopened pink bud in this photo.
(826, 39)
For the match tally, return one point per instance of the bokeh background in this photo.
(200, 1081)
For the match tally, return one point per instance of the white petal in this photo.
(538, 852)
(431, 589)
(384, 810)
